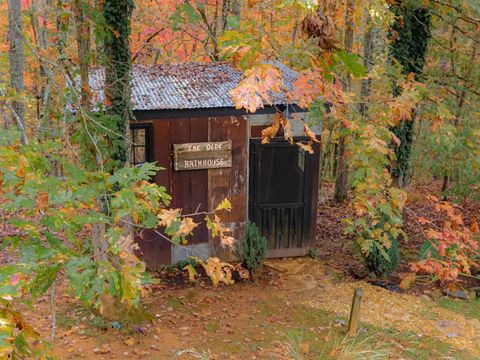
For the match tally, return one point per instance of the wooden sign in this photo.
(207, 155)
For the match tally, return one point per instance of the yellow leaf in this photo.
(310, 133)
(306, 147)
(192, 273)
(224, 205)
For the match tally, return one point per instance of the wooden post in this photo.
(355, 312)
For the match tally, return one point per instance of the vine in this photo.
(410, 34)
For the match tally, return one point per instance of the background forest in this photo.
(393, 84)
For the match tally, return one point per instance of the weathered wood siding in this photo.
(199, 190)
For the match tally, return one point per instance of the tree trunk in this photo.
(16, 58)
(367, 63)
(341, 181)
(82, 28)
(118, 64)
(412, 31)
(117, 14)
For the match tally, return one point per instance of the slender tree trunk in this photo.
(367, 63)
(82, 28)
(341, 181)
(39, 18)
(16, 57)
(236, 8)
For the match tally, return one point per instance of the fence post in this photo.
(355, 312)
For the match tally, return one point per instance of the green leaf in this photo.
(352, 63)
(184, 14)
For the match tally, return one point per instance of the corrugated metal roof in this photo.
(185, 86)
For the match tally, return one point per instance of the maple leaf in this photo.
(253, 90)
(271, 131)
(192, 273)
(474, 226)
(423, 220)
(408, 280)
(224, 205)
(307, 88)
(186, 227)
(287, 130)
(310, 133)
(360, 209)
(168, 216)
(305, 147)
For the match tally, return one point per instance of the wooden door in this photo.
(282, 195)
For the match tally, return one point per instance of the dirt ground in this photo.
(301, 313)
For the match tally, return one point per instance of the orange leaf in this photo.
(395, 139)
(474, 226)
(408, 280)
(423, 220)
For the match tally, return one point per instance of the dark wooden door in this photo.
(282, 195)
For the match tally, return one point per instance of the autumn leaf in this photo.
(395, 139)
(305, 147)
(186, 227)
(192, 273)
(255, 88)
(408, 280)
(474, 226)
(168, 216)
(287, 130)
(42, 199)
(271, 131)
(423, 220)
(310, 133)
(224, 205)
(360, 209)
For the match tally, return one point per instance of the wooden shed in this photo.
(186, 122)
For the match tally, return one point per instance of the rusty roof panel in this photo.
(185, 86)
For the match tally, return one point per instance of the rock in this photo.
(130, 341)
(386, 285)
(448, 328)
(459, 294)
(103, 349)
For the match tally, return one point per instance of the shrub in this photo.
(452, 249)
(253, 249)
(379, 264)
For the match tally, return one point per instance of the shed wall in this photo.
(199, 190)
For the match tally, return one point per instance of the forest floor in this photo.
(297, 309)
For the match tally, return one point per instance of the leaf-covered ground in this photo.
(299, 312)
